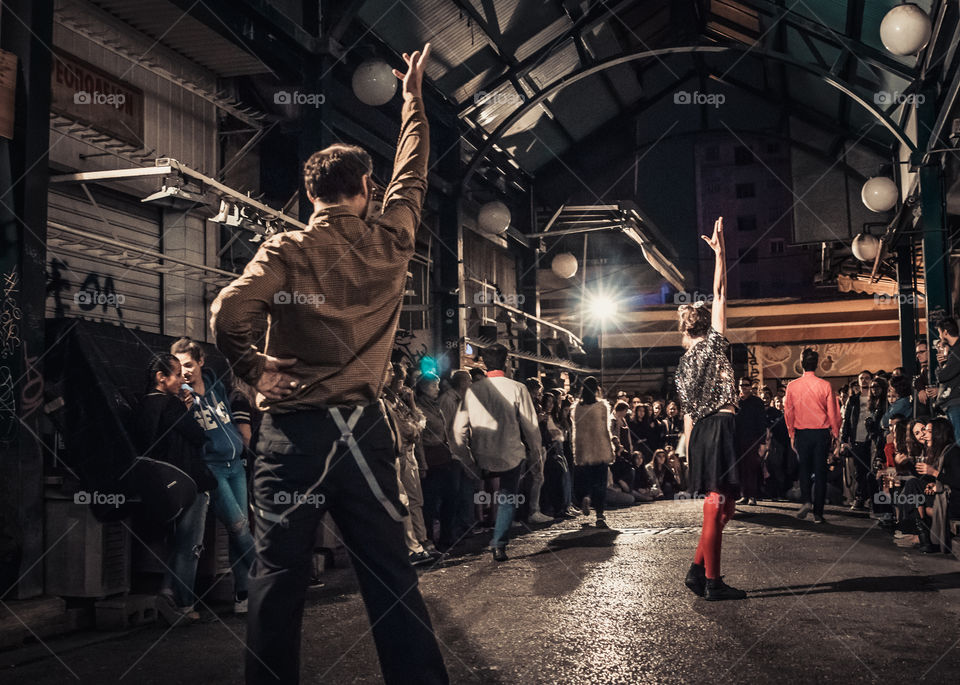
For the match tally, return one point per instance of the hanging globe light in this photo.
(905, 30)
(564, 265)
(880, 194)
(374, 83)
(494, 218)
(865, 247)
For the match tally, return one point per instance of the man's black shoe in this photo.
(602, 522)
(818, 519)
(696, 579)
(718, 590)
(499, 553)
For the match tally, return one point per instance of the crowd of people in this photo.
(574, 452)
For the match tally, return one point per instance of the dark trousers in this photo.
(441, 493)
(750, 470)
(596, 477)
(861, 463)
(812, 448)
(292, 452)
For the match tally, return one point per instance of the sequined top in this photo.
(705, 377)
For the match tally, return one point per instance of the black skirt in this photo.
(712, 456)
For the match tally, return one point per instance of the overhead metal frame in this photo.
(166, 166)
(565, 81)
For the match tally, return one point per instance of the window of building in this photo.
(773, 148)
(713, 188)
(749, 289)
(748, 255)
(416, 298)
(777, 246)
(747, 223)
(742, 155)
(745, 190)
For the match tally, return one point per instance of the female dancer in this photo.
(706, 388)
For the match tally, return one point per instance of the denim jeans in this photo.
(230, 507)
(506, 501)
(953, 413)
(186, 548)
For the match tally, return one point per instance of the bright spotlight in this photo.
(602, 307)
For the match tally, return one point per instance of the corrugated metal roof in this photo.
(467, 61)
(170, 26)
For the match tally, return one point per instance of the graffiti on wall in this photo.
(97, 293)
(10, 314)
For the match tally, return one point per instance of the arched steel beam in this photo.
(564, 81)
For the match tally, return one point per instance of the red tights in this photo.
(717, 510)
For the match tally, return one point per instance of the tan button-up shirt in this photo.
(330, 295)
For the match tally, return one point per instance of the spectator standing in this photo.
(812, 418)
(948, 372)
(593, 447)
(223, 452)
(440, 486)
(166, 431)
(467, 479)
(855, 434)
(496, 429)
(751, 433)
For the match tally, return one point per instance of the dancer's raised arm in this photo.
(719, 309)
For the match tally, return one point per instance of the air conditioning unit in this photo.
(86, 558)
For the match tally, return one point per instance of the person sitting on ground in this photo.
(941, 473)
(660, 473)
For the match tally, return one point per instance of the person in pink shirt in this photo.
(813, 423)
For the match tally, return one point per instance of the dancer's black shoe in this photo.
(696, 579)
(718, 590)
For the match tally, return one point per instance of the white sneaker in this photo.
(539, 517)
(239, 606)
(804, 510)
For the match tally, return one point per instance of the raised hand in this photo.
(413, 79)
(716, 241)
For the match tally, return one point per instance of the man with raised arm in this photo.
(332, 295)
